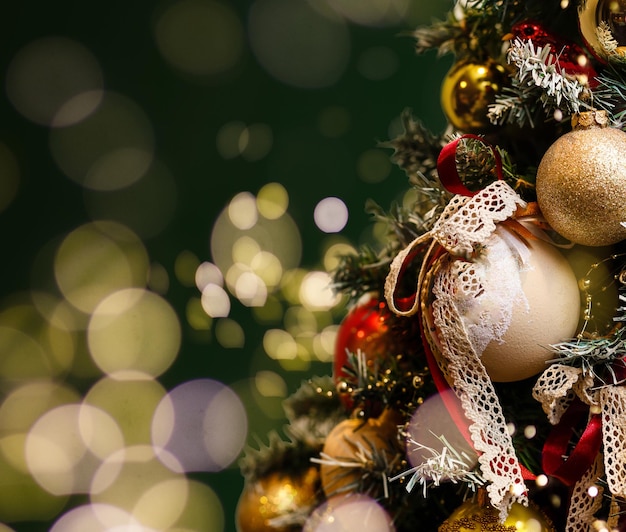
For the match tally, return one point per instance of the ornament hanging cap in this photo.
(590, 119)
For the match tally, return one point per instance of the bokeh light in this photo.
(331, 215)
(373, 13)
(47, 74)
(110, 149)
(298, 45)
(98, 259)
(66, 446)
(202, 423)
(97, 518)
(201, 38)
(353, 512)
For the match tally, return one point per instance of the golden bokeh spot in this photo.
(335, 248)
(272, 201)
(242, 211)
(98, 259)
(110, 149)
(201, 38)
(271, 312)
(131, 403)
(373, 166)
(185, 267)
(203, 511)
(324, 344)
(229, 333)
(316, 292)
(270, 384)
(280, 345)
(215, 301)
(134, 330)
(126, 476)
(66, 445)
(58, 344)
(162, 504)
(197, 318)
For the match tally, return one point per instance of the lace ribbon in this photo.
(465, 226)
(559, 389)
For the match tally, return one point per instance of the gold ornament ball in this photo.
(581, 183)
(347, 439)
(472, 516)
(467, 91)
(612, 12)
(276, 495)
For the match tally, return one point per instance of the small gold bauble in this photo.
(467, 91)
(611, 14)
(472, 516)
(347, 440)
(276, 495)
(581, 184)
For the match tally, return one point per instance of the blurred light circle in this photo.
(348, 513)
(203, 423)
(229, 334)
(251, 290)
(96, 518)
(109, 150)
(65, 447)
(215, 301)
(298, 45)
(373, 166)
(162, 504)
(316, 291)
(146, 206)
(431, 421)
(28, 402)
(280, 345)
(208, 273)
(125, 476)
(97, 259)
(185, 267)
(372, 13)
(130, 402)
(47, 73)
(10, 172)
(242, 211)
(118, 169)
(200, 37)
(331, 215)
(256, 142)
(228, 139)
(23, 357)
(203, 511)
(57, 343)
(337, 249)
(272, 201)
(134, 330)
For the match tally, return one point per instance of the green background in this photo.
(187, 113)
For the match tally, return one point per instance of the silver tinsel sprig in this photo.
(447, 465)
(538, 80)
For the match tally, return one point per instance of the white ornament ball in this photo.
(522, 297)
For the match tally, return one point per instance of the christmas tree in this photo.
(477, 379)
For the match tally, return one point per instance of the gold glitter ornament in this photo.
(467, 91)
(581, 182)
(359, 443)
(275, 496)
(474, 516)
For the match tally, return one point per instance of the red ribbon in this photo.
(571, 468)
(447, 170)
